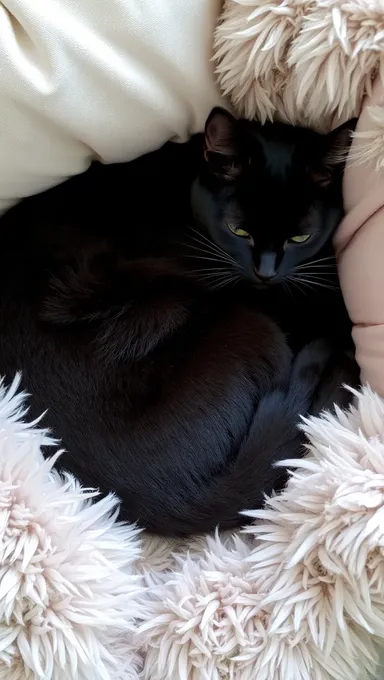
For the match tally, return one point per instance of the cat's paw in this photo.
(341, 370)
(311, 362)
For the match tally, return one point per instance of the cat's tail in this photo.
(273, 436)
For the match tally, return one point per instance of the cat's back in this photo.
(142, 373)
(107, 200)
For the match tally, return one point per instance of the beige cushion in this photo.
(83, 79)
(359, 242)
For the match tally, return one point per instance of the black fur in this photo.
(178, 397)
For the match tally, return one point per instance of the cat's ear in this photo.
(220, 133)
(338, 142)
(221, 148)
(335, 152)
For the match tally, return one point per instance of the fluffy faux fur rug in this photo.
(69, 595)
(299, 595)
(307, 62)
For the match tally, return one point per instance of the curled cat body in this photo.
(173, 316)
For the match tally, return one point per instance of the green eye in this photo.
(238, 231)
(299, 239)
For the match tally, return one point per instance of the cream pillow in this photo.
(84, 79)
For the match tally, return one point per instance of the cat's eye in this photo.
(238, 231)
(299, 239)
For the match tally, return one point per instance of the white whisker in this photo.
(317, 262)
(296, 284)
(207, 242)
(214, 247)
(215, 275)
(214, 255)
(286, 287)
(210, 259)
(312, 281)
(209, 269)
(319, 273)
(226, 281)
(317, 267)
(314, 275)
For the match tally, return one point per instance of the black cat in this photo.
(140, 305)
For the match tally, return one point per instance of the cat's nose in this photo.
(266, 268)
(263, 277)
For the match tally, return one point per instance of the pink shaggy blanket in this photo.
(298, 595)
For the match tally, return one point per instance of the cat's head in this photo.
(269, 197)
